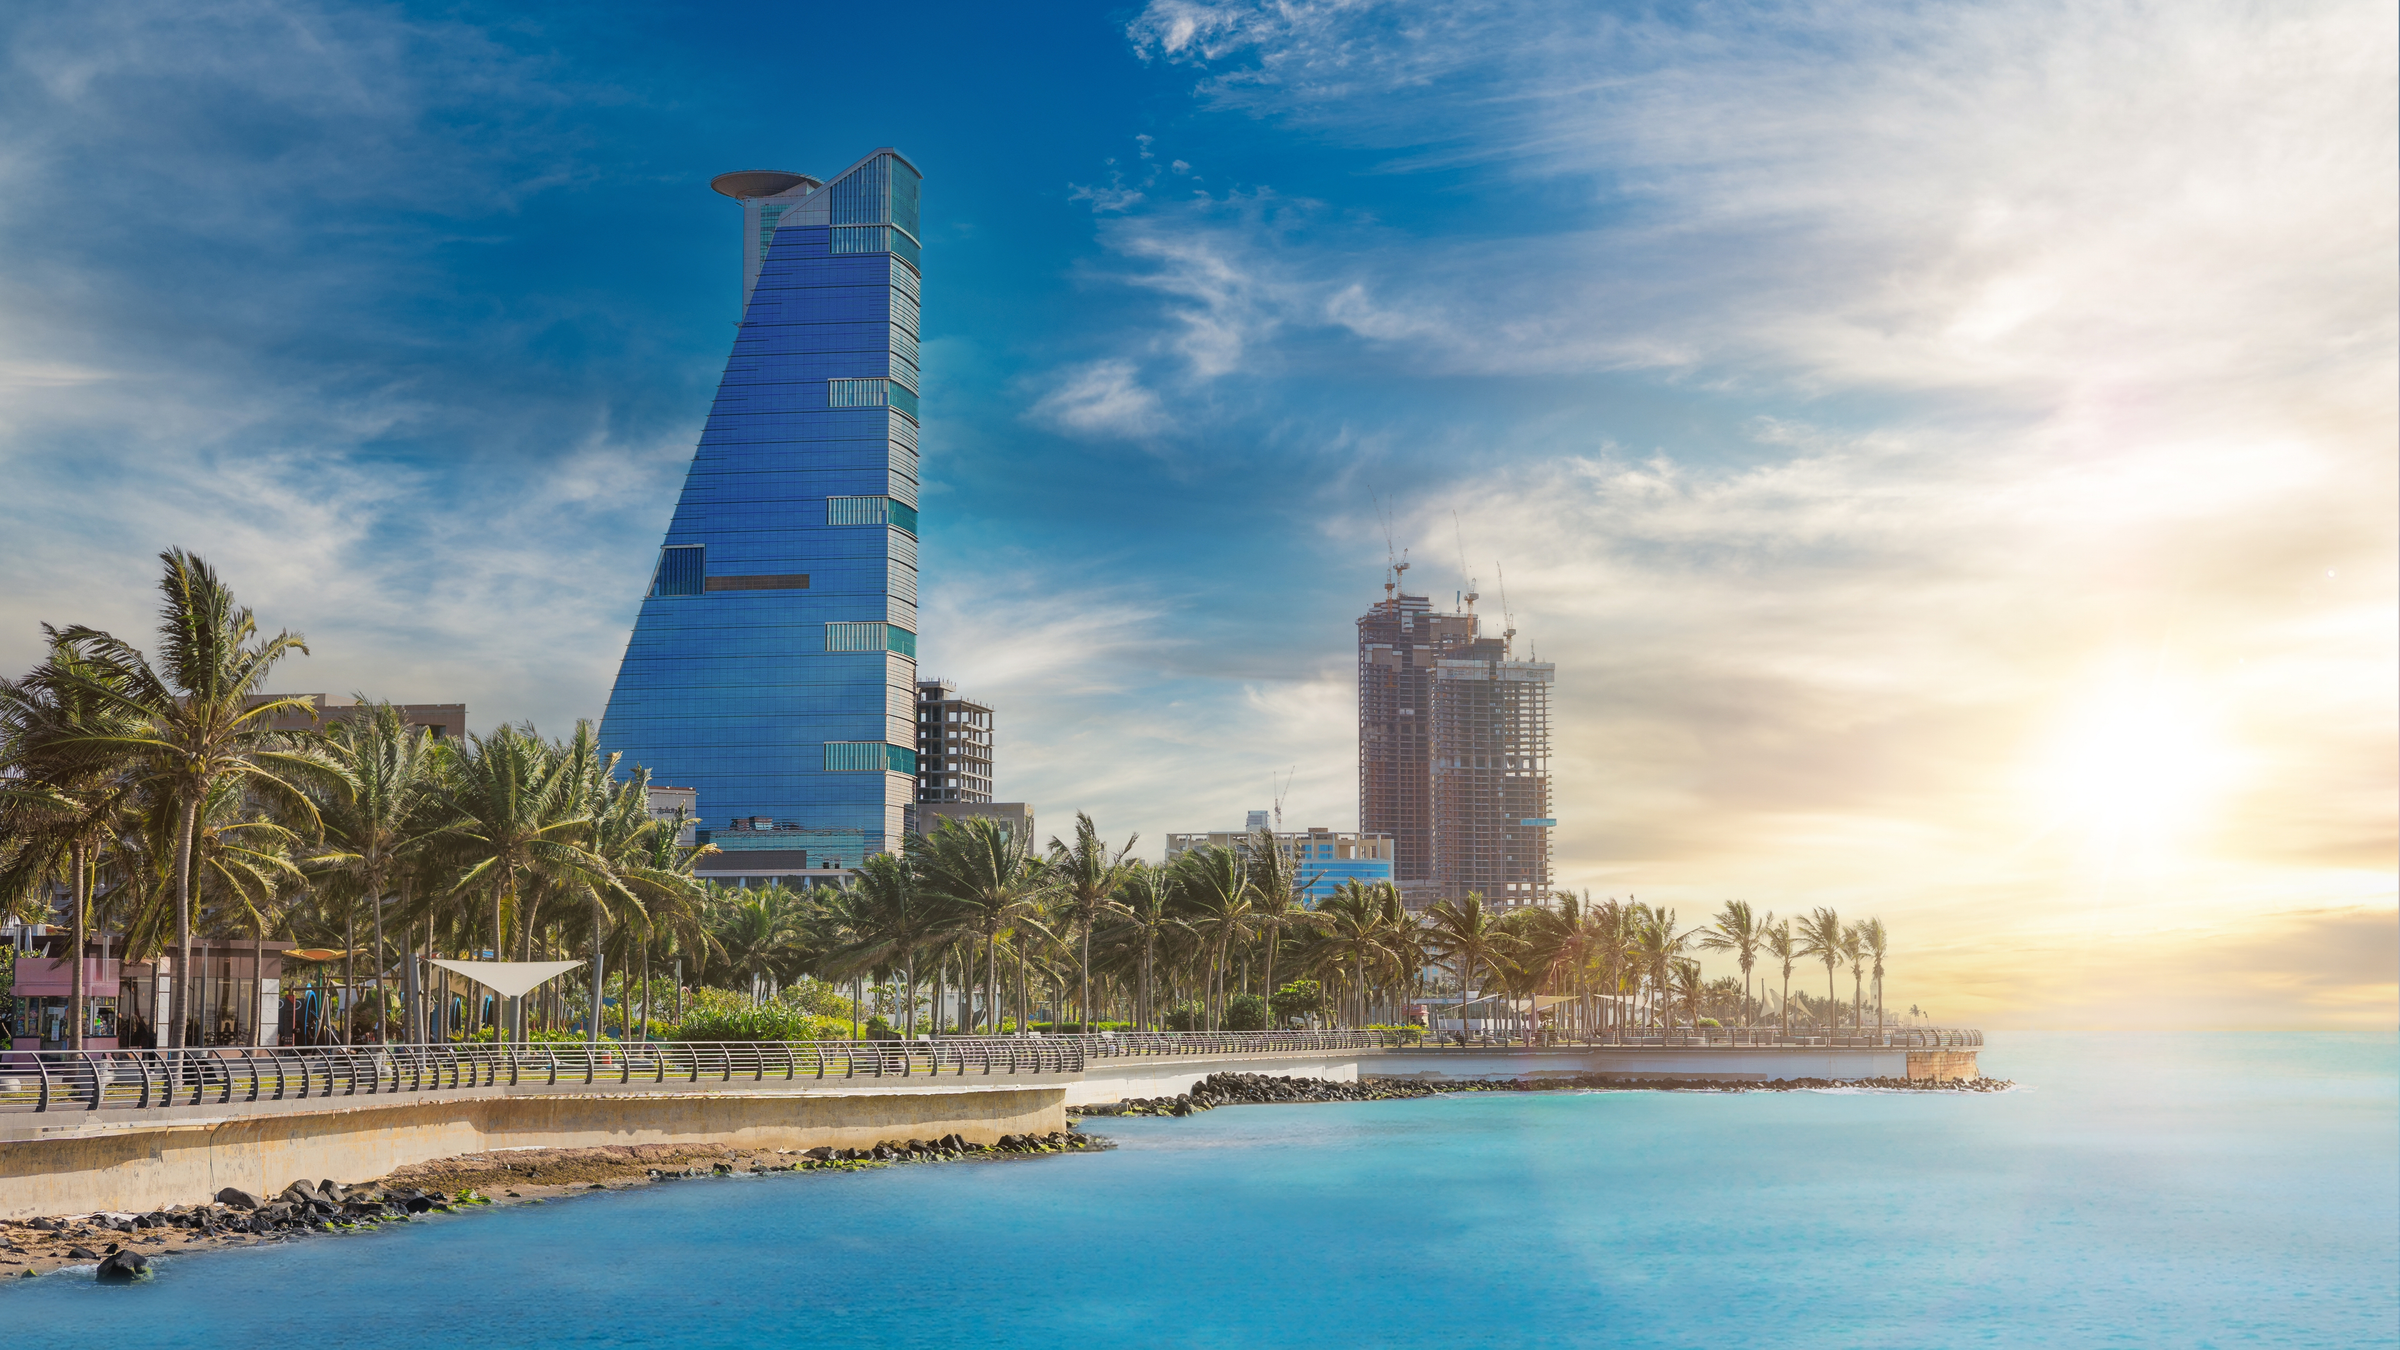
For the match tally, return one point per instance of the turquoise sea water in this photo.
(2162, 1190)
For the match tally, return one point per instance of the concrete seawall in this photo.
(79, 1162)
(1114, 1080)
(1736, 1064)
(73, 1162)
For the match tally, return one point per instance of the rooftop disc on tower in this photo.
(743, 184)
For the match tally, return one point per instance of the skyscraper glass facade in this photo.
(773, 664)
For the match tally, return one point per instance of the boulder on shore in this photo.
(122, 1266)
(238, 1198)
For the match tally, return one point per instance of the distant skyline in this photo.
(1947, 451)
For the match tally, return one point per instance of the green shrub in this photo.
(1245, 1012)
(721, 1015)
(1186, 1017)
(550, 1036)
(1300, 998)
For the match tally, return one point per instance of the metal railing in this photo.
(1131, 1044)
(138, 1080)
(1715, 1038)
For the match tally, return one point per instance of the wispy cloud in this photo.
(2001, 196)
(1101, 398)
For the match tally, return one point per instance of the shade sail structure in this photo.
(509, 979)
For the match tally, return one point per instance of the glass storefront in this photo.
(44, 1017)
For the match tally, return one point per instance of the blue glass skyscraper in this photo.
(773, 666)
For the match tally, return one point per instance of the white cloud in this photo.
(1102, 399)
(2029, 197)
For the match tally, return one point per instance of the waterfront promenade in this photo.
(138, 1130)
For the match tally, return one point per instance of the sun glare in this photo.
(2135, 770)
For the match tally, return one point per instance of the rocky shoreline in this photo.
(120, 1246)
(1250, 1089)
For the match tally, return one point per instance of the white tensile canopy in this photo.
(509, 979)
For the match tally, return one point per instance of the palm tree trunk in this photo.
(383, 1031)
(258, 978)
(349, 967)
(76, 880)
(591, 1034)
(185, 829)
(1272, 934)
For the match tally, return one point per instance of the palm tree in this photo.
(1688, 988)
(990, 877)
(1219, 904)
(242, 865)
(202, 719)
(517, 824)
(61, 800)
(674, 901)
(1469, 935)
(520, 817)
(1778, 942)
(1086, 874)
(1356, 940)
(1275, 877)
(1855, 951)
(1145, 897)
(640, 882)
(1736, 930)
(762, 937)
(390, 772)
(895, 921)
(1821, 937)
(1613, 928)
(1870, 932)
(1541, 942)
(1656, 947)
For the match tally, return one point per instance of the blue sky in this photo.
(1946, 448)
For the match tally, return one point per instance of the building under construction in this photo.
(1453, 752)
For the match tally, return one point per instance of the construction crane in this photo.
(1508, 618)
(1460, 532)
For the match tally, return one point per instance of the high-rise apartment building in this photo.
(1398, 642)
(954, 745)
(1453, 753)
(1490, 761)
(772, 667)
